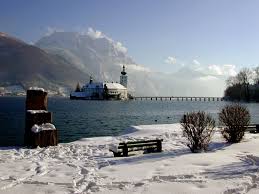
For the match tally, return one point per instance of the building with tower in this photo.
(103, 90)
(124, 77)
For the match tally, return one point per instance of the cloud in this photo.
(120, 47)
(135, 67)
(94, 34)
(195, 62)
(217, 70)
(51, 30)
(170, 60)
(222, 70)
(211, 72)
(207, 78)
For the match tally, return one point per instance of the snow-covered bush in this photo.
(235, 119)
(198, 128)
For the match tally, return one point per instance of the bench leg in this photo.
(159, 146)
(125, 150)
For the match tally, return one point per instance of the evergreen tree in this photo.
(78, 88)
(105, 92)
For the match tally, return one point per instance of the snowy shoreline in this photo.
(87, 166)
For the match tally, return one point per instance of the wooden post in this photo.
(37, 114)
(36, 100)
(35, 117)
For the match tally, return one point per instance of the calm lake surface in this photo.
(76, 119)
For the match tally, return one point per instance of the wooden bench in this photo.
(146, 145)
(253, 128)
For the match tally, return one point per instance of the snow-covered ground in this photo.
(87, 166)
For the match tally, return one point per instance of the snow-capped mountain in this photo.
(100, 57)
(59, 60)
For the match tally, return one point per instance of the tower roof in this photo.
(123, 70)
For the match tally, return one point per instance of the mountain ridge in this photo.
(27, 65)
(61, 59)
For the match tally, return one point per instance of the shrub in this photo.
(236, 118)
(198, 129)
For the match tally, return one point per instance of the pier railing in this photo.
(179, 98)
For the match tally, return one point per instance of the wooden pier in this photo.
(178, 98)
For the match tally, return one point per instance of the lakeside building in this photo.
(103, 90)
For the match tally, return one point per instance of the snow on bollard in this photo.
(44, 127)
(35, 117)
(38, 128)
(44, 135)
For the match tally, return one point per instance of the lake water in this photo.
(77, 119)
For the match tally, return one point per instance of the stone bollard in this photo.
(38, 128)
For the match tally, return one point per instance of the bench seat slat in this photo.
(138, 145)
(144, 141)
(141, 148)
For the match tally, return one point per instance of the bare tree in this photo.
(236, 118)
(231, 81)
(256, 75)
(198, 128)
(243, 78)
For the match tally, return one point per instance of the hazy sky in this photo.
(161, 34)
